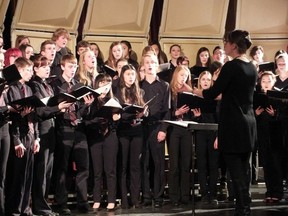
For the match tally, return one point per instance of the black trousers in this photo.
(4, 153)
(274, 169)
(180, 156)
(104, 157)
(152, 148)
(43, 167)
(18, 193)
(130, 149)
(72, 143)
(239, 168)
(207, 162)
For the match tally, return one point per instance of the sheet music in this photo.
(180, 123)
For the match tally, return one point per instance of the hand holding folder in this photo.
(194, 101)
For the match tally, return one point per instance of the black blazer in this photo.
(237, 124)
(46, 114)
(19, 127)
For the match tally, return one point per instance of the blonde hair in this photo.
(200, 76)
(83, 74)
(174, 84)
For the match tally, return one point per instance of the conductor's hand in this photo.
(26, 111)
(88, 99)
(116, 116)
(258, 111)
(196, 112)
(20, 150)
(270, 110)
(216, 74)
(63, 106)
(216, 143)
(36, 147)
(182, 110)
(161, 136)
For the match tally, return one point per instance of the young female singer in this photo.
(43, 165)
(180, 149)
(87, 70)
(279, 129)
(130, 135)
(207, 156)
(265, 117)
(103, 143)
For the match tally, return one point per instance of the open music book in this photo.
(71, 97)
(133, 108)
(109, 70)
(164, 66)
(278, 95)
(262, 100)
(266, 66)
(110, 107)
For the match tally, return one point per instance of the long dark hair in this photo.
(133, 94)
(103, 77)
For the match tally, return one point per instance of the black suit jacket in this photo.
(46, 114)
(19, 127)
(237, 124)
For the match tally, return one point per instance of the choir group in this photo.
(112, 135)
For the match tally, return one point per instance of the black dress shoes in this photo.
(63, 210)
(158, 204)
(147, 203)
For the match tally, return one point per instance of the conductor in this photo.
(237, 125)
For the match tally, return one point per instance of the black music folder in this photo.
(197, 70)
(165, 75)
(55, 100)
(266, 66)
(11, 74)
(262, 100)
(194, 101)
(31, 101)
(133, 108)
(110, 107)
(278, 95)
(110, 71)
(83, 91)
(70, 97)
